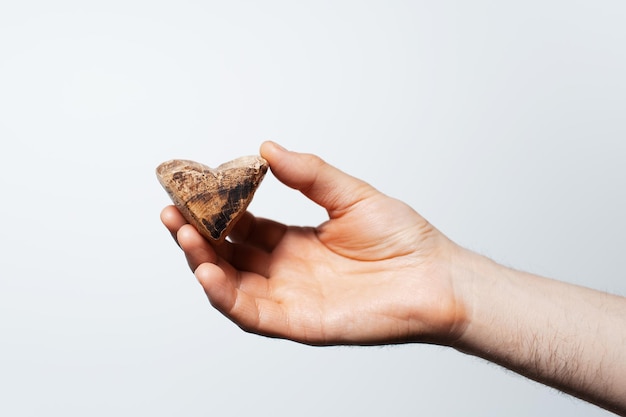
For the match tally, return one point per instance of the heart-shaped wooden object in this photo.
(212, 199)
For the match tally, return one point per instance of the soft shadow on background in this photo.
(502, 124)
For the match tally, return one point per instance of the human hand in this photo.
(375, 272)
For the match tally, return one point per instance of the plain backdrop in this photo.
(503, 123)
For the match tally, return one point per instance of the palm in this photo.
(319, 296)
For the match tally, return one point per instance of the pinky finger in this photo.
(252, 314)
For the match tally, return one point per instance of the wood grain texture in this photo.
(212, 199)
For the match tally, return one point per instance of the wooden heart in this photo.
(212, 199)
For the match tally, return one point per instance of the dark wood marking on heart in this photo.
(212, 228)
(234, 198)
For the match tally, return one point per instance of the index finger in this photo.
(261, 233)
(173, 220)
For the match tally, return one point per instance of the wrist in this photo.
(480, 285)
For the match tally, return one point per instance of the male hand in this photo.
(375, 272)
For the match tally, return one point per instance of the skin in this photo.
(378, 273)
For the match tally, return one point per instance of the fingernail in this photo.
(279, 146)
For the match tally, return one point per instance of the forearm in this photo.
(566, 336)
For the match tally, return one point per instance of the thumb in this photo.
(326, 185)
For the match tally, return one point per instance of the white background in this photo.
(503, 124)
